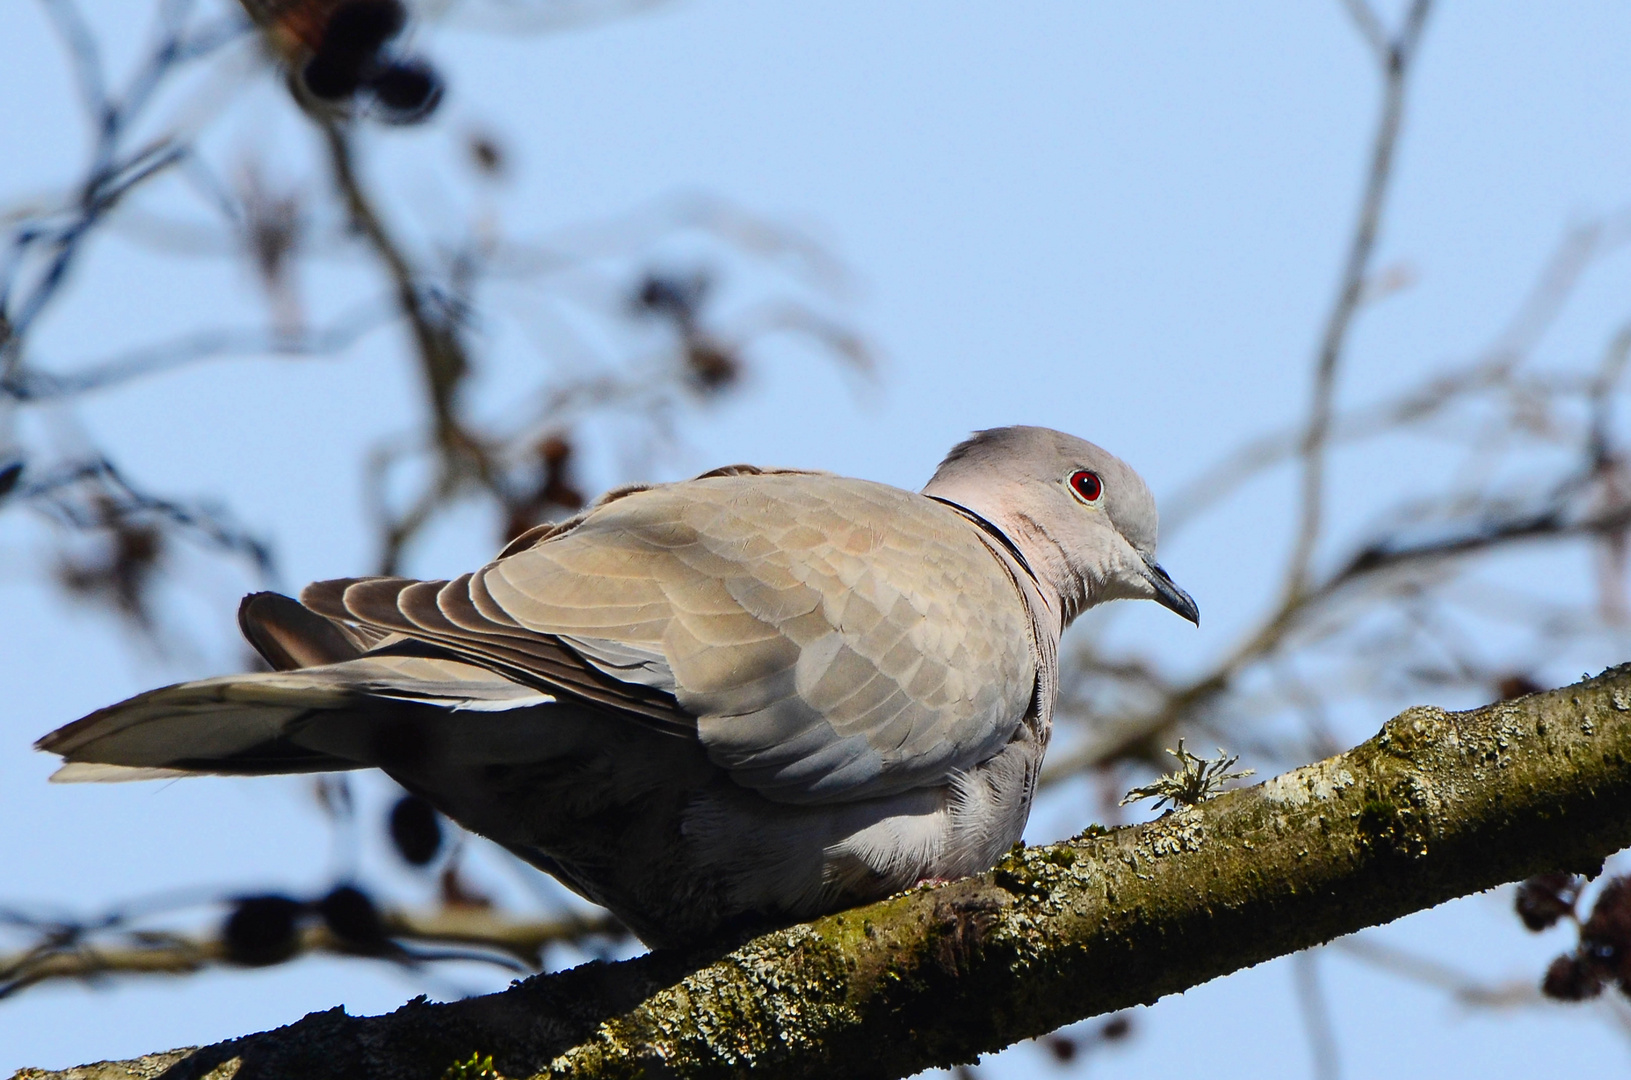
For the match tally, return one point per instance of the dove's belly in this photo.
(644, 824)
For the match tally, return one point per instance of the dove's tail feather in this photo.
(377, 710)
(327, 707)
(242, 724)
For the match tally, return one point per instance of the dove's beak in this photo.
(1169, 595)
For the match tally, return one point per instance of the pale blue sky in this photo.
(1120, 220)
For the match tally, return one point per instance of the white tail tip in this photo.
(91, 772)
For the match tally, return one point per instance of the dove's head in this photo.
(1083, 520)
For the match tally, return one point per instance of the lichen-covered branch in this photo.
(1437, 805)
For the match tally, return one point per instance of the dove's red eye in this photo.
(1086, 485)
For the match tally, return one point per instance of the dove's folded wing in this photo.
(833, 639)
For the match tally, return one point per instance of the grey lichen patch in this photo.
(1034, 872)
(1399, 821)
(1179, 832)
(1296, 788)
(1315, 783)
(229, 1069)
(778, 984)
(1418, 728)
(146, 1067)
(777, 995)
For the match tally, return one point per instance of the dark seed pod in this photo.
(1546, 898)
(1062, 1047)
(1116, 1028)
(660, 294)
(711, 367)
(409, 90)
(9, 475)
(357, 29)
(1606, 937)
(353, 918)
(487, 155)
(1570, 979)
(262, 929)
(672, 296)
(331, 79)
(348, 55)
(416, 830)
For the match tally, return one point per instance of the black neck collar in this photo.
(995, 533)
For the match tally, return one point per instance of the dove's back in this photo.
(751, 695)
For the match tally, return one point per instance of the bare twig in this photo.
(1464, 988)
(443, 360)
(95, 494)
(1316, 1014)
(34, 385)
(110, 175)
(69, 951)
(1396, 65)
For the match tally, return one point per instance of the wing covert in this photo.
(836, 639)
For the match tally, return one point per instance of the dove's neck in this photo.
(1060, 589)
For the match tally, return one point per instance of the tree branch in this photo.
(1437, 805)
(443, 359)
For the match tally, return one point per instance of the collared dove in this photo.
(751, 697)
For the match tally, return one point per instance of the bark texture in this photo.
(1435, 806)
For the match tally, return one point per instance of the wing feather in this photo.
(415, 610)
(832, 639)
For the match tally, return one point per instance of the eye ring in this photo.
(1086, 485)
